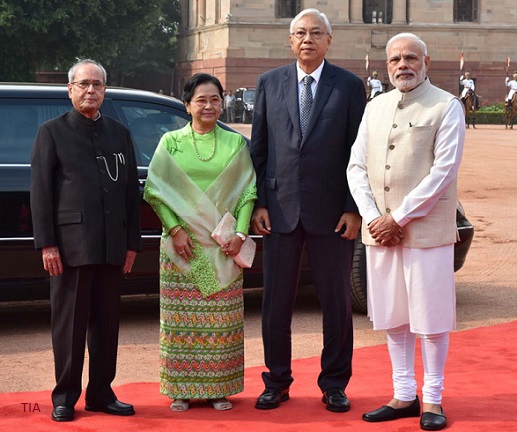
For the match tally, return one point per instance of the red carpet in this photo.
(480, 395)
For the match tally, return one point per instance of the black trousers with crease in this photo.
(85, 306)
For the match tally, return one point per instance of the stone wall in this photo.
(237, 40)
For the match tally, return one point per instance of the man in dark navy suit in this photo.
(303, 129)
(85, 211)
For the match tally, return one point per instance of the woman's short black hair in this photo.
(195, 81)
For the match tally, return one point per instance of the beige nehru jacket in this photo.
(400, 155)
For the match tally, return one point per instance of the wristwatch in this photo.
(241, 236)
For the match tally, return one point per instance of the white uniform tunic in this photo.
(513, 88)
(468, 84)
(375, 85)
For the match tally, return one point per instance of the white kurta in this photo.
(409, 285)
(448, 149)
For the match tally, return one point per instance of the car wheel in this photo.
(243, 116)
(358, 277)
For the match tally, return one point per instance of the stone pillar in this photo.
(356, 11)
(399, 12)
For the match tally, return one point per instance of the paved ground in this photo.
(486, 286)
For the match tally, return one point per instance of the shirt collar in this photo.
(315, 74)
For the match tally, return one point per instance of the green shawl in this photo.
(199, 213)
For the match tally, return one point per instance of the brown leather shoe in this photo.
(271, 398)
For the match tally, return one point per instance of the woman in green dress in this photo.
(196, 174)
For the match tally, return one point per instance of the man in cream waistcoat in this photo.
(403, 176)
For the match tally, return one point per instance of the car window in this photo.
(147, 123)
(249, 96)
(20, 121)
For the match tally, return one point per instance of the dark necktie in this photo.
(306, 103)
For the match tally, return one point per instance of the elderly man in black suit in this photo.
(85, 211)
(306, 117)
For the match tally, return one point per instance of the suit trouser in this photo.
(330, 258)
(85, 303)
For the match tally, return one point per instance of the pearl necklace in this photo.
(202, 159)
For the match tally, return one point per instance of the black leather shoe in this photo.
(271, 398)
(62, 413)
(386, 413)
(114, 408)
(433, 422)
(336, 400)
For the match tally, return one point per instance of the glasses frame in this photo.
(84, 85)
(203, 103)
(315, 34)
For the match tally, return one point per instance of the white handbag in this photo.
(226, 229)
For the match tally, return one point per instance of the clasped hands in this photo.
(184, 245)
(385, 231)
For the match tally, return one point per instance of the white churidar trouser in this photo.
(401, 346)
(411, 291)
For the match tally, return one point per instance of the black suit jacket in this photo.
(75, 202)
(305, 179)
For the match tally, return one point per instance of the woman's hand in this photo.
(183, 244)
(233, 246)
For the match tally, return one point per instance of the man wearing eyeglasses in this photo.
(306, 117)
(85, 204)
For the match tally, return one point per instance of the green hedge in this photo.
(487, 117)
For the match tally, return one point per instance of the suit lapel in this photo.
(322, 95)
(291, 97)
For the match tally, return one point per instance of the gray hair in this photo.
(73, 69)
(311, 11)
(411, 36)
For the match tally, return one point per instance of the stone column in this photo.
(399, 12)
(356, 11)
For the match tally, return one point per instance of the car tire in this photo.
(358, 277)
(244, 117)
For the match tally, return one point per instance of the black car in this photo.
(244, 100)
(23, 107)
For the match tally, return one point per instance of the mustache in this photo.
(410, 73)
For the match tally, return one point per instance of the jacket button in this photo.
(387, 167)
(386, 189)
(388, 210)
(392, 147)
(394, 126)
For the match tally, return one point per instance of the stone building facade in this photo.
(237, 40)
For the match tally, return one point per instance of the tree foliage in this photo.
(126, 36)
